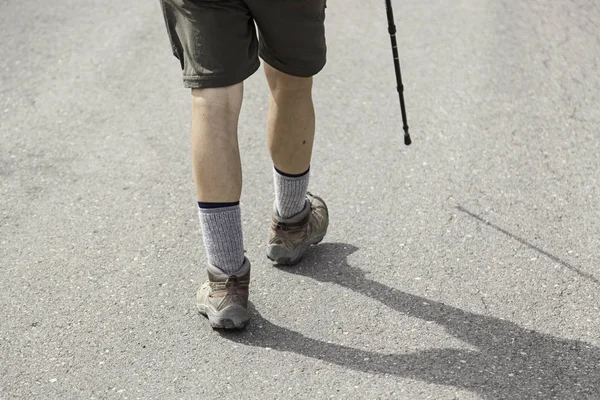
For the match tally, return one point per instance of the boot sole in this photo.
(232, 317)
(284, 256)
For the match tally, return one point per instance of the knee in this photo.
(228, 98)
(282, 84)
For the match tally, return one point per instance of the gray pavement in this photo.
(463, 267)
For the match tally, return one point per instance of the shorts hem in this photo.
(216, 81)
(286, 69)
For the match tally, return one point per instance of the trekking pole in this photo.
(400, 86)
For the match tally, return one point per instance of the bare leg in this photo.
(215, 152)
(291, 124)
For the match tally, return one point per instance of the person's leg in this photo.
(291, 122)
(218, 173)
(300, 219)
(217, 47)
(218, 176)
(291, 131)
(215, 152)
(292, 44)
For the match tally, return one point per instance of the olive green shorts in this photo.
(217, 44)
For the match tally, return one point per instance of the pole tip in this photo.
(407, 140)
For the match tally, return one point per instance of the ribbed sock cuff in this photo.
(291, 175)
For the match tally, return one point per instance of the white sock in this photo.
(290, 192)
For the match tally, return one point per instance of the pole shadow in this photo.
(511, 362)
(531, 246)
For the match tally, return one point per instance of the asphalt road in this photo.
(465, 266)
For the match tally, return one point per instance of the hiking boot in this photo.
(290, 237)
(224, 299)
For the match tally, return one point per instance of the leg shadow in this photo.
(511, 362)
